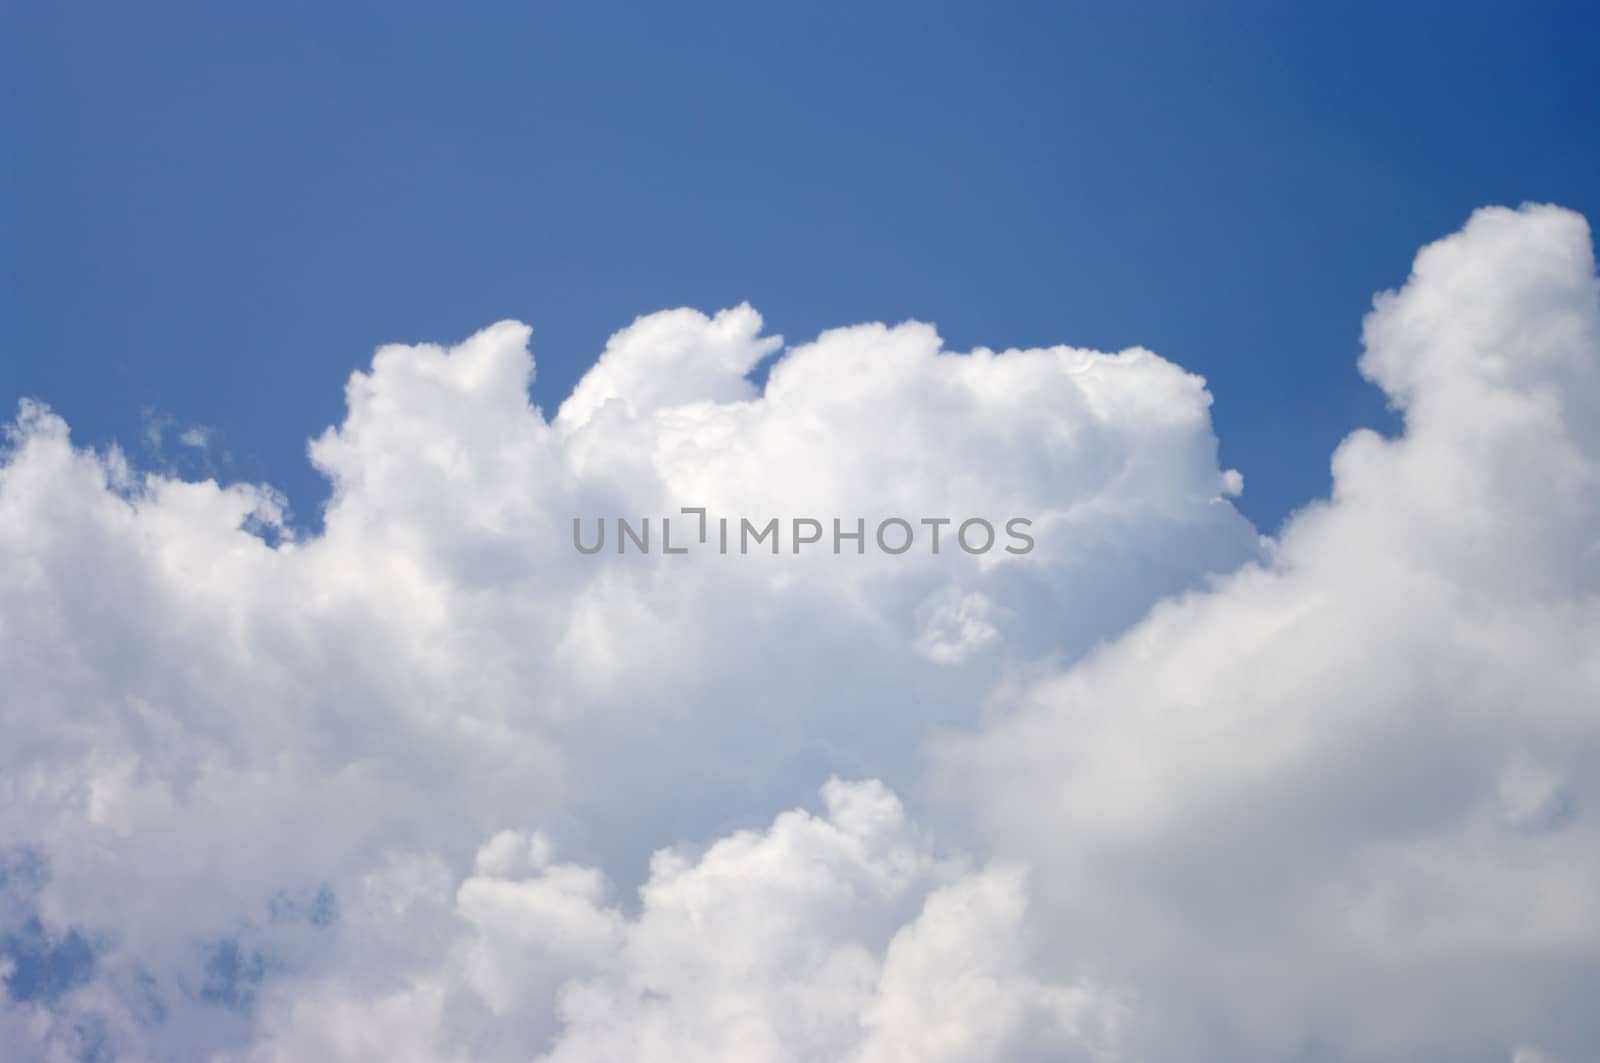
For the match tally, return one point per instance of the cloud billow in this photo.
(431, 785)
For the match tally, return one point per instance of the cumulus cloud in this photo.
(1356, 782)
(392, 790)
(843, 936)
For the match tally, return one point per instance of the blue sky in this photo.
(220, 210)
(435, 784)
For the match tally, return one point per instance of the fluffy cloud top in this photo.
(839, 937)
(1179, 792)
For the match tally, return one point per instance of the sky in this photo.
(328, 327)
(219, 213)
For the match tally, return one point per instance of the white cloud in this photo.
(840, 937)
(389, 791)
(1342, 802)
